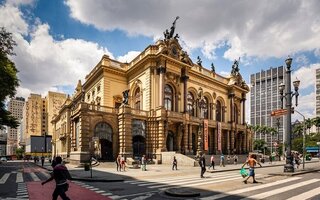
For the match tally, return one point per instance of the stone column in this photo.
(185, 138)
(185, 91)
(215, 136)
(190, 138)
(161, 142)
(162, 71)
(228, 141)
(233, 134)
(243, 101)
(125, 130)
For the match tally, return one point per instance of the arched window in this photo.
(219, 112)
(190, 102)
(137, 99)
(103, 131)
(168, 97)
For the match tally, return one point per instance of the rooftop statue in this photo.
(235, 67)
(125, 95)
(213, 68)
(167, 34)
(199, 62)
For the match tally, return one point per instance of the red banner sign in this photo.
(206, 134)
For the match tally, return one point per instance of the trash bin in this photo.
(86, 166)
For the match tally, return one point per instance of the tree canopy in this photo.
(8, 78)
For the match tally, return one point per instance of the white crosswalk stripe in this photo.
(186, 181)
(4, 178)
(219, 196)
(19, 176)
(294, 183)
(281, 190)
(307, 195)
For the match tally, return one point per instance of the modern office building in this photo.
(265, 98)
(161, 101)
(317, 92)
(15, 106)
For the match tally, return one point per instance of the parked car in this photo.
(3, 159)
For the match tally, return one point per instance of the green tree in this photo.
(259, 145)
(20, 152)
(308, 124)
(298, 130)
(316, 122)
(8, 78)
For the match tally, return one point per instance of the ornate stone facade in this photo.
(171, 104)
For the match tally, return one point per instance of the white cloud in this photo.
(13, 22)
(306, 75)
(44, 63)
(306, 106)
(317, 52)
(19, 2)
(302, 60)
(224, 73)
(128, 57)
(262, 28)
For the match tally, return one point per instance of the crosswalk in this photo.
(268, 190)
(20, 177)
(187, 181)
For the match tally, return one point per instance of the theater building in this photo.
(160, 101)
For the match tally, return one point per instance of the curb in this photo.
(96, 180)
(295, 173)
(180, 194)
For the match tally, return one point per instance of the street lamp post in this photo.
(304, 138)
(288, 167)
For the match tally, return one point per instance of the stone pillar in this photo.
(215, 135)
(161, 136)
(185, 138)
(190, 138)
(243, 101)
(233, 135)
(228, 141)
(162, 71)
(125, 130)
(185, 91)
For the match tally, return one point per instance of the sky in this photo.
(59, 42)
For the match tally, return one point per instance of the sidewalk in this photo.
(106, 171)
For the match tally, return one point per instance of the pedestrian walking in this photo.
(211, 162)
(202, 163)
(123, 163)
(53, 163)
(228, 159)
(60, 175)
(235, 159)
(270, 158)
(144, 163)
(174, 163)
(42, 161)
(252, 163)
(118, 162)
(222, 161)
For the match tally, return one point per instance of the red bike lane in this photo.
(44, 192)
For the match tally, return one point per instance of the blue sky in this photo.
(72, 35)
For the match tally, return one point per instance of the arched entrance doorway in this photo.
(103, 131)
(170, 141)
(138, 143)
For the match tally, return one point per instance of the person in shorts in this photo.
(252, 163)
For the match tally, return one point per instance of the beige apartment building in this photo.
(15, 106)
(161, 101)
(37, 114)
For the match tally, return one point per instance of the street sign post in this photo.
(278, 112)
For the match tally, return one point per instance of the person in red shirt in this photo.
(60, 175)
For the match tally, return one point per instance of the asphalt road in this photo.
(224, 185)
(19, 180)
